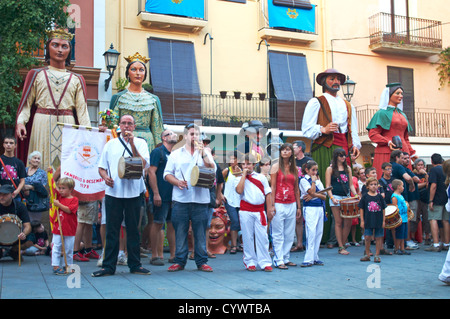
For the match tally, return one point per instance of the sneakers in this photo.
(410, 245)
(122, 260)
(268, 269)
(432, 247)
(175, 267)
(251, 268)
(79, 257)
(92, 255)
(205, 268)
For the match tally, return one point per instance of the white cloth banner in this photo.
(80, 153)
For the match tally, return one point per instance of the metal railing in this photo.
(263, 19)
(386, 27)
(427, 122)
(230, 111)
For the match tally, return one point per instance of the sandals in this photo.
(282, 266)
(290, 264)
(376, 259)
(233, 250)
(342, 251)
(365, 258)
(60, 272)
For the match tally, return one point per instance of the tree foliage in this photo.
(22, 30)
(443, 67)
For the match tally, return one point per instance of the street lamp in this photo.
(349, 88)
(111, 58)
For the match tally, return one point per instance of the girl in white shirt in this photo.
(313, 212)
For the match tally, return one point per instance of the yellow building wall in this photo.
(342, 42)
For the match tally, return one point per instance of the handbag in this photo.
(36, 204)
(38, 200)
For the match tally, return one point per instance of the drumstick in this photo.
(20, 255)
(184, 179)
(325, 190)
(109, 170)
(348, 198)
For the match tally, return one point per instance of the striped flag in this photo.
(52, 187)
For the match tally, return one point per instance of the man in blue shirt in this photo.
(399, 172)
(161, 198)
(413, 202)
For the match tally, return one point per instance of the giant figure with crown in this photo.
(144, 106)
(50, 95)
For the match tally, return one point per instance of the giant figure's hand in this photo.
(21, 131)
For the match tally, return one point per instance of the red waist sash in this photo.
(245, 206)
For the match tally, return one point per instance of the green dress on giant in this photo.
(145, 107)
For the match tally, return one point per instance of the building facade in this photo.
(203, 51)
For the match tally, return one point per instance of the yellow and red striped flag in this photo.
(52, 188)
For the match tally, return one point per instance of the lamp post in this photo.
(348, 88)
(210, 59)
(111, 58)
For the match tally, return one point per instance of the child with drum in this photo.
(372, 216)
(401, 232)
(313, 211)
(339, 176)
(386, 182)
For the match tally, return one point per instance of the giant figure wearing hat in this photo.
(330, 121)
(389, 127)
(50, 95)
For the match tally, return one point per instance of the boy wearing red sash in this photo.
(254, 190)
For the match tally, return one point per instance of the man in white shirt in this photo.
(190, 203)
(123, 197)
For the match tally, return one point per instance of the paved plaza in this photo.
(342, 277)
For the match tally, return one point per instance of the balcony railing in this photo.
(233, 112)
(291, 35)
(427, 122)
(389, 29)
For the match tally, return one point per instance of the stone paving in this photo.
(342, 277)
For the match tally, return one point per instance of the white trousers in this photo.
(255, 240)
(282, 229)
(445, 273)
(313, 230)
(69, 241)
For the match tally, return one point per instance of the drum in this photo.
(10, 228)
(410, 214)
(130, 167)
(349, 207)
(203, 177)
(392, 217)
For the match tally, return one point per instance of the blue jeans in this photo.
(197, 214)
(233, 213)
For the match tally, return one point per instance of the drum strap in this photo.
(126, 147)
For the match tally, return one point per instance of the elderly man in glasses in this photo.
(123, 197)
